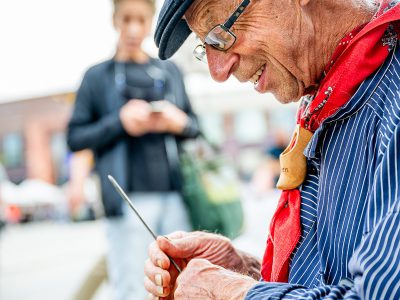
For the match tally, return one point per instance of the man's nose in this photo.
(221, 64)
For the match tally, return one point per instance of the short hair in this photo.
(152, 3)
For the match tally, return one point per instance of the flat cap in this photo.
(172, 30)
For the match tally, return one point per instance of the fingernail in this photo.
(159, 263)
(158, 279)
(160, 290)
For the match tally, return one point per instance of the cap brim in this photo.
(172, 30)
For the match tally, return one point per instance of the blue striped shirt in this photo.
(350, 243)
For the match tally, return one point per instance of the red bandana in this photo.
(357, 56)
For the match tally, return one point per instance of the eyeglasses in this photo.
(220, 37)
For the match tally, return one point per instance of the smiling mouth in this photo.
(254, 79)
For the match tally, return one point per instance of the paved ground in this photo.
(47, 261)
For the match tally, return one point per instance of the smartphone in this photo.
(157, 106)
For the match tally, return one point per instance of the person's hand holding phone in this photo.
(135, 117)
(166, 117)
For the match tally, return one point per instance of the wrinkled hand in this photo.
(171, 119)
(135, 117)
(161, 275)
(203, 280)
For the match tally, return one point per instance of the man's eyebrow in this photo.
(207, 15)
(209, 21)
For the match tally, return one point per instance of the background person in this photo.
(335, 233)
(113, 116)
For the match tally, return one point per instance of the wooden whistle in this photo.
(292, 160)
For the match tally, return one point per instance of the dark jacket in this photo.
(95, 125)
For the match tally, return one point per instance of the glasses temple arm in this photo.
(232, 19)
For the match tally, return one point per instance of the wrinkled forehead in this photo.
(203, 15)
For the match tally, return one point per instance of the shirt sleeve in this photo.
(84, 129)
(375, 265)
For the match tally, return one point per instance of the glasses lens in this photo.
(220, 38)
(200, 53)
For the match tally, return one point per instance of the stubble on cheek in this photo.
(280, 81)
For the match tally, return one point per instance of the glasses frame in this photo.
(199, 51)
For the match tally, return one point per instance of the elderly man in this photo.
(336, 233)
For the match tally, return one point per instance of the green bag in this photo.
(209, 184)
(210, 188)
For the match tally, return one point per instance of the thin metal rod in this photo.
(126, 198)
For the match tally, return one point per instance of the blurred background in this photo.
(46, 46)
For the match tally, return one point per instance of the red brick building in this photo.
(32, 143)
